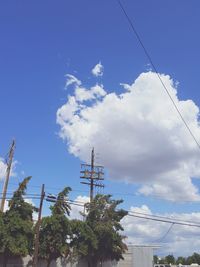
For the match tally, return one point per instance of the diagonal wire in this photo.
(156, 71)
(165, 235)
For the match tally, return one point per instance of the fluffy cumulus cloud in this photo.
(98, 70)
(176, 239)
(138, 133)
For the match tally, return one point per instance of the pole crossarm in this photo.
(92, 173)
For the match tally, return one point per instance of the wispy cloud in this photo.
(71, 80)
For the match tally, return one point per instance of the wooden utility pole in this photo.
(91, 179)
(37, 235)
(94, 175)
(9, 165)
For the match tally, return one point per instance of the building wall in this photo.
(136, 256)
(142, 256)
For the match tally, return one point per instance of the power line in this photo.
(158, 216)
(139, 215)
(149, 217)
(112, 193)
(156, 71)
(47, 187)
(25, 195)
(165, 221)
(165, 235)
(9, 198)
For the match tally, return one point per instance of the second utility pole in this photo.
(36, 247)
(93, 174)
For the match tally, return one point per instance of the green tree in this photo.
(55, 230)
(195, 258)
(170, 259)
(2, 233)
(84, 241)
(155, 259)
(181, 260)
(103, 219)
(162, 261)
(18, 225)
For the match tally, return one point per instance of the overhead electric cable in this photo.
(165, 235)
(159, 217)
(10, 198)
(156, 71)
(165, 221)
(134, 214)
(148, 216)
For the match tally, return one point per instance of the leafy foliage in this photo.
(170, 259)
(18, 225)
(194, 258)
(103, 219)
(84, 240)
(19, 204)
(55, 232)
(2, 233)
(96, 239)
(61, 205)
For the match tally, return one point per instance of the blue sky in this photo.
(41, 42)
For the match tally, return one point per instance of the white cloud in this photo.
(71, 80)
(98, 70)
(3, 168)
(181, 240)
(139, 135)
(82, 94)
(35, 214)
(76, 209)
(6, 207)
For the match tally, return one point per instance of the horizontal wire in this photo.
(160, 217)
(155, 218)
(165, 221)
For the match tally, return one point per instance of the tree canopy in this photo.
(96, 239)
(103, 220)
(17, 225)
(55, 230)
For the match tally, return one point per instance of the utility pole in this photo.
(93, 174)
(36, 245)
(92, 180)
(9, 165)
